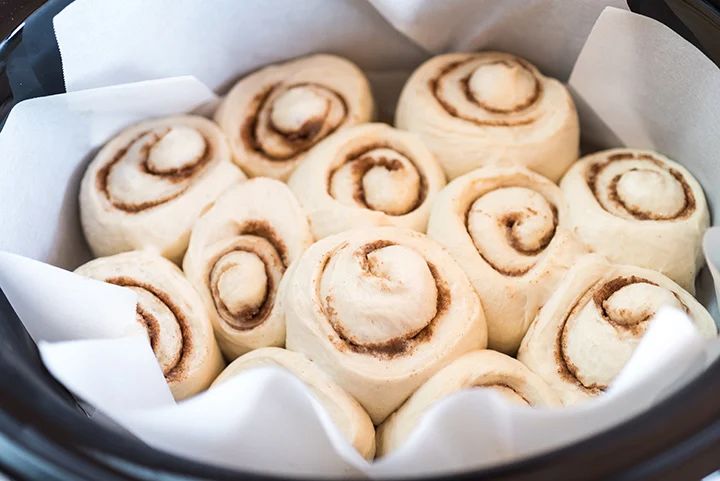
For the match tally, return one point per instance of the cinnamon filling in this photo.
(566, 368)
(599, 294)
(151, 325)
(275, 255)
(508, 223)
(596, 169)
(262, 228)
(173, 175)
(398, 346)
(361, 161)
(176, 370)
(511, 220)
(250, 316)
(504, 387)
(299, 140)
(436, 89)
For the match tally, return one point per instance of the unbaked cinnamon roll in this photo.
(507, 227)
(346, 413)
(381, 310)
(238, 253)
(276, 114)
(478, 109)
(368, 175)
(146, 187)
(477, 369)
(639, 207)
(590, 326)
(170, 310)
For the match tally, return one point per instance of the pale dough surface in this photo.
(173, 314)
(381, 310)
(477, 109)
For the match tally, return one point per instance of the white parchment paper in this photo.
(636, 83)
(45, 146)
(218, 42)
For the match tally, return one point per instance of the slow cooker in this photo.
(46, 434)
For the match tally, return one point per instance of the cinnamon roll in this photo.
(590, 326)
(477, 369)
(639, 207)
(168, 307)
(146, 187)
(477, 109)
(381, 310)
(346, 413)
(368, 175)
(238, 253)
(507, 227)
(276, 114)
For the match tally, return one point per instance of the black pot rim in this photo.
(45, 434)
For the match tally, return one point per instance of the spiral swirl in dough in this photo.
(276, 114)
(477, 369)
(238, 253)
(368, 175)
(345, 411)
(639, 207)
(478, 109)
(381, 310)
(172, 313)
(590, 326)
(507, 228)
(146, 187)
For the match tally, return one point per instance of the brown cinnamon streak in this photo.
(262, 228)
(566, 368)
(362, 163)
(250, 317)
(596, 169)
(151, 324)
(505, 386)
(598, 294)
(507, 223)
(392, 348)
(175, 176)
(253, 316)
(176, 371)
(300, 141)
(434, 86)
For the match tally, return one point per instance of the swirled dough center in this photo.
(380, 296)
(502, 86)
(162, 327)
(241, 282)
(616, 323)
(136, 181)
(180, 148)
(296, 107)
(495, 90)
(296, 117)
(640, 187)
(510, 226)
(636, 303)
(381, 179)
(652, 192)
